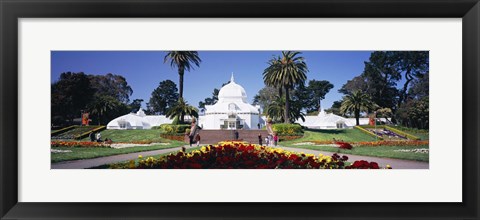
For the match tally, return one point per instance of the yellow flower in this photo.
(140, 156)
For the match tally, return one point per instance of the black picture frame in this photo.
(12, 10)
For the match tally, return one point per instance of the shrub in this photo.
(288, 129)
(174, 129)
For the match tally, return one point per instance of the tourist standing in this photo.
(197, 139)
(260, 139)
(236, 135)
(275, 139)
(258, 125)
(266, 140)
(193, 131)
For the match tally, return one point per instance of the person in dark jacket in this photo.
(260, 139)
(92, 137)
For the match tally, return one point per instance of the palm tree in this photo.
(276, 110)
(357, 102)
(183, 60)
(181, 109)
(102, 105)
(285, 72)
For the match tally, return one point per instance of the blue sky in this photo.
(144, 70)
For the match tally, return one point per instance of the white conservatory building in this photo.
(138, 121)
(232, 111)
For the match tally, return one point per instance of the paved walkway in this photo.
(88, 163)
(382, 162)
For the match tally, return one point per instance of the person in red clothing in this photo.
(275, 138)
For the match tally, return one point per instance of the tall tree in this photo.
(317, 91)
(164, 97)
(412, 65)
(183, 60)
(355, 103)
(112, 85)
(276, 109)
(265, 96)
(181, 109)
(286, 71)
(70, 95)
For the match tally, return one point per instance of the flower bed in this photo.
(178, 137)
(228, 155)
(97, 144)
(77, 144)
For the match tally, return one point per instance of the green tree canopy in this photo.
(70, 95)
(180, 109)
(164, 97)
(285, 72)
(356, 103)
(317, 89)
(112, 85)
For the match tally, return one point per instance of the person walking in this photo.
(260, 139)
(266, 141)
(236, 135)
(193, 131)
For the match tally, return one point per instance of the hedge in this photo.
(174, 129)
(288, 129)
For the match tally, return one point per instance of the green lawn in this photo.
(348, 135)
(131, 135)
(380, 151)
(79, 153)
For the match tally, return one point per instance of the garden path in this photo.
(382, 162)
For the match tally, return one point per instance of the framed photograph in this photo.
(250, 110)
